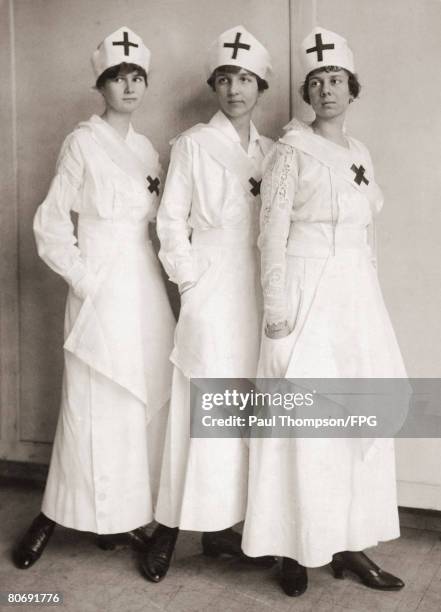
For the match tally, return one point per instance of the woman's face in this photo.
(124, 93)
(329, 93)
(237, 94)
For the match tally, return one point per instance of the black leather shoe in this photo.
(294, 578)
(229, 542)
(31, 547)
(138, 539)
(156, 560)
(106, 541)
(369, 573)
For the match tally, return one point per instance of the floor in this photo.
(92, 580)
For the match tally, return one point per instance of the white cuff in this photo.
(85, 286)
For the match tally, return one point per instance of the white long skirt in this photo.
(105, 465)
(203, 480)
(310, 498)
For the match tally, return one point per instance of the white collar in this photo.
(223, 124)
(97, 119)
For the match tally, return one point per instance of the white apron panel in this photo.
(124, 329)
(328, 495)
(102, 478)
(310, 498)
(218, 331)
(203, 480)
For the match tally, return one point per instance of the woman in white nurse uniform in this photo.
(119, 327)
(315, 501)
(208, 228)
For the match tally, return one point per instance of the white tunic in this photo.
(210, 198)
(118, 331)
(310, 498)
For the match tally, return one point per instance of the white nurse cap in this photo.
(324, 48)
(237, 47)
(121, 46)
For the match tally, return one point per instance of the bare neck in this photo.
(331, 129)
(119, 121)
(242, 127)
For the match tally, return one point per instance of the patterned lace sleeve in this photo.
(278, 190)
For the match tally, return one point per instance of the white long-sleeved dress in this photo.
(208, 227)
(312, 497)
(105, 464)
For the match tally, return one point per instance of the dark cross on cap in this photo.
(255, 186)
(320, 47)
(359, 174)
(153, 184)
(237, 45)
(125, 43)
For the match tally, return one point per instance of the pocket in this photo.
(86, 286)
(275, 354)
(206, 269)
(194, 291)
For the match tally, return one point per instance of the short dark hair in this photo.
(228, 69)
(353, 82)
(120, 70)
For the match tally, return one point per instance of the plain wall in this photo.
(397, 49)
(9, 354)
(45, 48)
(54, 40)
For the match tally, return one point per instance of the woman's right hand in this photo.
(184, 287)
(85, 286)
(277, 330)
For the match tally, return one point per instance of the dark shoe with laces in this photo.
(369, 573)
(229, 542)
(155, 561)
(32, 545)
(294, 579)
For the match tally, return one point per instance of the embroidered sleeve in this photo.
(53, 227)
(278, 190)
(172, 220)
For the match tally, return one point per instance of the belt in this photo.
(323, 239)
(238, 237)
(99, 237)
